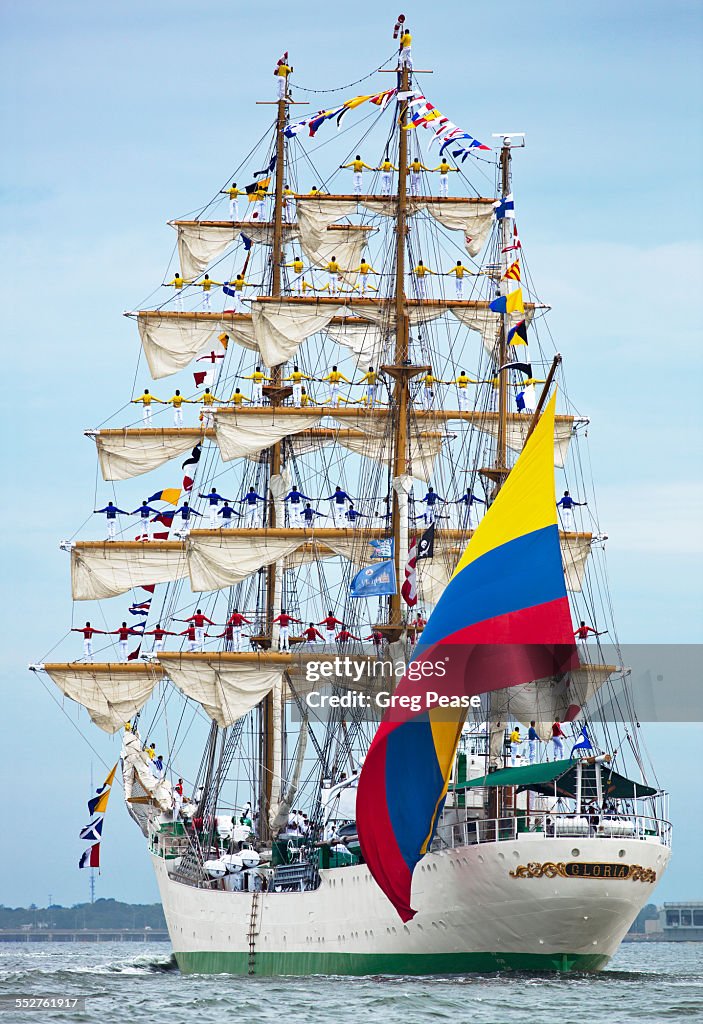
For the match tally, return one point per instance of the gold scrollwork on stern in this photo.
(585, 869)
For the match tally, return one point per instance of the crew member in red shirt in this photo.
(123, 632)
(236, 621)
(88, 633)
(311, 634)
(376, 638)
(344, 635)
(199, 621)
(558, 737)
(158, 634)
(192, 642)
(329, 622)
(582, 631)
(284, 622)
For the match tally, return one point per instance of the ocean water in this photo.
(135, 983)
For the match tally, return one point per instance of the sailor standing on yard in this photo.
(214, 500)
(284, 620)
(311, 634)
(444, 172)
(339, 499)
(234, 193)
(567, 504)
(297, 266)
(420, 272)
(235, 623)
(257, 388)
(145, 511)
(462, 382)
(414, 171)
(177, 283)
(333, 379)
(329, 622)
(123, 632)
(159, 634)
(88, 633)
(206, 284)
(363, 270)
(177, 401)
(297, 378)
(228, 515)
(459, 270)
(370, 379)
(386, 168)
(208, 400)
(192, 641)
(468, 500)
(198, 620)
(146, 399)
(333, 273)
(251, 512)
(431, 499)
(111, 513)
(295, 510)
(358, 164)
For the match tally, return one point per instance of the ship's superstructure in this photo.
(356, 372)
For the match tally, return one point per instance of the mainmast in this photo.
(501, 464)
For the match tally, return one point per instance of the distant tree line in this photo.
(101, 914)
(648, 913)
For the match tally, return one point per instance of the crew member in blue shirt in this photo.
(251, 513)
(295, 510)
(339, 498)
(214, 500)
(567, 505)
(111, 512)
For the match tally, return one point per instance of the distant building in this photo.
(677, 922)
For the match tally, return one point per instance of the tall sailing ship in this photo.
(335, 354)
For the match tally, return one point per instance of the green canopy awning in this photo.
(542, 778)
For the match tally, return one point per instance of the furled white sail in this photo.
(383, 313)
(474, 219)
(112, 568)
(367, 341)
(250, 433)
(575, 549)
(281, 812)
(123, 454)
(315, 216)
(422, 452)
(200, 242)
(111, 694)
(138, 776)
(170, 343)
(225, 691)
(280, 327)
(228, 558)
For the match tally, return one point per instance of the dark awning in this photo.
(542, 778)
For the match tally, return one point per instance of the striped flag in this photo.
(92, 831)
(409, 588)
(513, 272)
(91, 857)
(140, 609)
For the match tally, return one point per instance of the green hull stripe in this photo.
(385, 963)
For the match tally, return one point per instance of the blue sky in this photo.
(117, 118)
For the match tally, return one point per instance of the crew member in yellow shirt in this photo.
(234, 193)
(358, 164)
(414, 171)
(146, 399)
(288, 205)
(208, 400)
(257, 197)
(462, 382)
(178, 282)
(238, 398)
(420, 273)
(427, 392)
(386, 167)
(444, 172)
(206, 284)
(370, 379)
(239, 284)
(333, 270)
(459, 270)
(297, 377)
(515, 741)
(334, 378)
(257, 388)
(363, 270)
(177, 400)
(406, 41)
(282, 72)
(296, 264)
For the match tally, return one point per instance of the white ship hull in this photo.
(473, 914)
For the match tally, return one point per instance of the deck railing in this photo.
(549, 825)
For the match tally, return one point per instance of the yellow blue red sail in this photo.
(503, 620)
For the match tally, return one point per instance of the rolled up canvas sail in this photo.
(127, 453)
(367, 341)
(111, 694)
(200, 242)
(221, 561)
(239, 436)
(100, 570)
(225, 691)
(280, 327)
(488, 324)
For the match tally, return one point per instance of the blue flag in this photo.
(374, 581)
(94, 831)
(247, 246)
(505, 207)
(229, 291)
(584, 743)
(382, 548)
